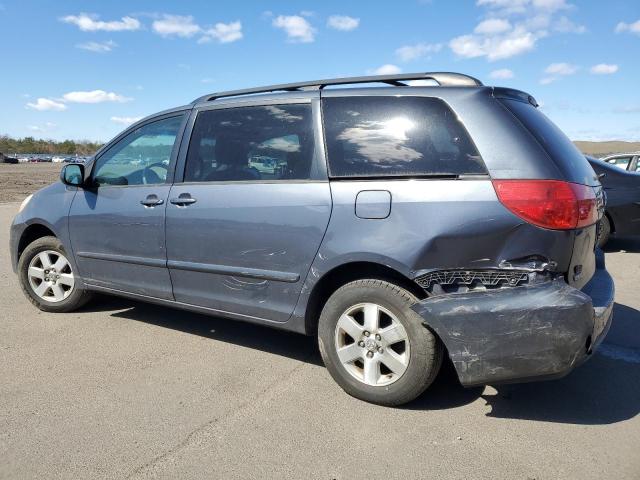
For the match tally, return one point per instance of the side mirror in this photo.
(72, 175)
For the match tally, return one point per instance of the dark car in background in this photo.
(622, 189)
(400, 224)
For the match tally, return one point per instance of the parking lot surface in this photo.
(127, 390)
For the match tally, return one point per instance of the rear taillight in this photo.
(549, 203)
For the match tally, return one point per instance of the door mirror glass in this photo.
(72, 175)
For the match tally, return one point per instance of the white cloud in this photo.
(505, 7)
(501, 74)
(627, 109)
(125, 120)
(561, 69)
(297, 28)
(98, 47)
(514, 7)
(94, 96)
(42, 129)
(387, 69)
(412, 52)
(176, 25)
(557, 70)
(492, 26)
(604, 69)
(513, 27)
(564, 25)
(43, 104)
(628, 27)
(496, 47)
(223, 33)
(550, 5)
(184, 26)
(343, 22)
(91, 23)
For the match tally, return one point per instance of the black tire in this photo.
(76, 299)
(425, 354)
(605, 231)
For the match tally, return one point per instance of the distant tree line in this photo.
(9, 145)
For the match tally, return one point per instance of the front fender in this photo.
(49, 208)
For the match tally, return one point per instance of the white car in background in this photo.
(625, 161)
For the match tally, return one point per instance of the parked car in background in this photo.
(402, 223)
(7, 159)
(622, 189)
(624, 161)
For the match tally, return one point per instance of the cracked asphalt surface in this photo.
(127, 390)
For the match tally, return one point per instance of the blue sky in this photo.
(83, 70)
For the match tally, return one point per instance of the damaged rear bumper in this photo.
(525, 333)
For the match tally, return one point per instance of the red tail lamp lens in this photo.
(549, 203)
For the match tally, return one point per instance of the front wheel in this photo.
(47, 278)
(375, 346)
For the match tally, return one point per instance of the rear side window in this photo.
(396, 136)
(620, 162)
(561, 150)
(273, 142)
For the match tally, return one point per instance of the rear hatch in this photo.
(574, 170)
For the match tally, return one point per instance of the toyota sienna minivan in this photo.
(401, 224)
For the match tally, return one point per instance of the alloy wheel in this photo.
(50, 276)
(372, 344)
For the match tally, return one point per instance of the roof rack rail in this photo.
(443, 79)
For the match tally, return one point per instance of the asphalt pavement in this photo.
(127, 390)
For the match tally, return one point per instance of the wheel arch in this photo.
(32, 233)
(347, 272)
(611, 222)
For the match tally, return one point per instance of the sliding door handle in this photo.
(152, 201)
(183, 200)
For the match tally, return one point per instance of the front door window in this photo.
(140, 158)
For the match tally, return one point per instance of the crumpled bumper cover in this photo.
(524, 333)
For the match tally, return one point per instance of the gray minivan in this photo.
(401, 224)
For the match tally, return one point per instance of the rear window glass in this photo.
(396, 136)
(564, 153)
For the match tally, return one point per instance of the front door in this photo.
(117, 224)
(245, 224)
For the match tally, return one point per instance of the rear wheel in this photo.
(605, 231)
(47, 278)
(374, 346)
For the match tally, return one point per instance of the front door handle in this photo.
(152, 201)
(183, 200)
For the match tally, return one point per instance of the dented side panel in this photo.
(432, 225)
(246, 248)
(437, 224)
